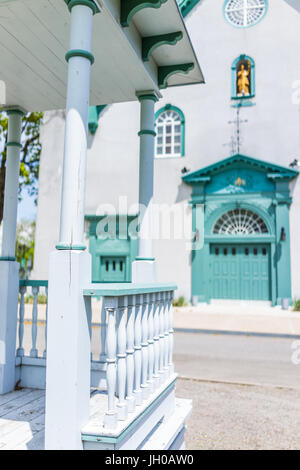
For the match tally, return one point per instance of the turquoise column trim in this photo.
(169, 107)
(7, 258)
(14, 144)
(71, 247)
(166, 71)
(30, 283)
(87, 3)
(15, 111)
(80, 53)
(148, 96)
(130, 7)
(94, 115)
(243, 100)
(149, 44)
(186, 6)
(145, 132)
(141, 258)
(282, 252)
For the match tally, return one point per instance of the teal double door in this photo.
(240, 271)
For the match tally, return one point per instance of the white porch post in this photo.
(9, 268)
(68, 338)
(144, 268)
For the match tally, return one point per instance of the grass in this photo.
(180, 302)
(296, 305)
(42, 299)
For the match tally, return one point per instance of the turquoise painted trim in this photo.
(186, 6)
(7, 258)
(244, 27)
(149, 44)
(148, 96)
(130, 7)
(94, 116)
(9, 112)
(88, 3)
(14, 144)
(80, 53)
(120, 437)
(169, 107)
(121, 289)
(234, 95)
(243, 103)
(29, 283)
(140, 258)
(227, 162)
(166, 71)
(71, 247)
(146, 132)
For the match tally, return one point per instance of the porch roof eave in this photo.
(34, 38)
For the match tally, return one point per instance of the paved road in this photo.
(231, 358)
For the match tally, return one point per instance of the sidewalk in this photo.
(237, 318)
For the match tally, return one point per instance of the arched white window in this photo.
(245, 13)
(169, 132)
(240, 222)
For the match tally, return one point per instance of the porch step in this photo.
(161, 415)
(170, 433)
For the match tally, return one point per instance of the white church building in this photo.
(225, 167)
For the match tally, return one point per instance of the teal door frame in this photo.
(246, 183)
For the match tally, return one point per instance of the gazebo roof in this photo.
(34, 38)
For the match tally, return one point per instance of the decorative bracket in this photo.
(165, 71)
(150, 43)
(89, 3)
(130, 7)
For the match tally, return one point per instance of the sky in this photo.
(26, 208)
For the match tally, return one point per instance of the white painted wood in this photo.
(171, 335)
(9, 293)
(111, 304)
(166, 334)
(34, 351)
(20, 350)
(46, 326)
(138, 350)
(130, 353)
(161, 371)
(145, 345)
(151, 342)
(74, 166)
(156, 340)
(68, 350)
(11, 186)
(122, 407)
(103, 333)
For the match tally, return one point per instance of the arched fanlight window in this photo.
(170, 130)
(240, 222)
(243, 77)
(245, 13)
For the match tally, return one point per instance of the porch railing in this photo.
(139, 344)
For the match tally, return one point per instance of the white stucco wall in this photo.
(272, 132)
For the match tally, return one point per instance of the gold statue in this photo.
(243, 82)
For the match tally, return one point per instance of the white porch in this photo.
(134, 47)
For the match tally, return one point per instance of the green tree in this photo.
(30, 154)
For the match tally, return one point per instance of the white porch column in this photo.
(9, 268)
(69, 316)
(144, 268)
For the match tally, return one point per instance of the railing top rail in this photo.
(33, 283)
(118, 290)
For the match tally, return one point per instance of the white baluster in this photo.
(20, 350)
(166, 334)
(145, 345)
(171, 335)
(110, 419)
(138, 350)
(130, 353)
(121, 355)
(161, 338)
(103, 332)
(46, 325)
(34, 351)
(151, 342)
(156, 340)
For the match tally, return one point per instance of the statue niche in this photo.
(243, 78)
